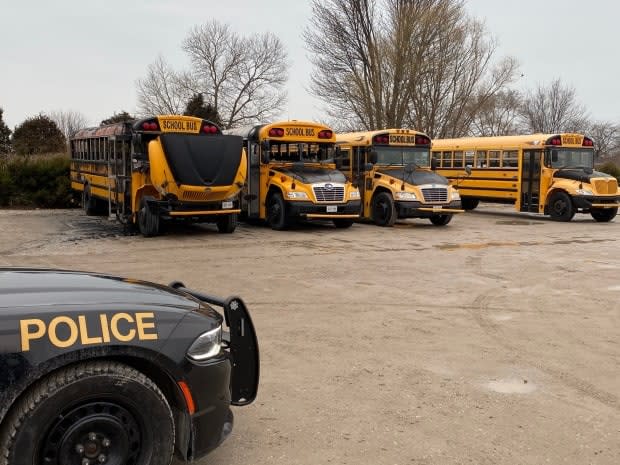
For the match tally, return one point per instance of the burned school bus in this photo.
(161, 168)
(96, 369)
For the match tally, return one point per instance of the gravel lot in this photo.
(494, 340)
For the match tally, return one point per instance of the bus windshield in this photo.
(403, 155)
(299, 152)
(572, 158)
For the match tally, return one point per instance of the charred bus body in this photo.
(98, 369)
(160, 168)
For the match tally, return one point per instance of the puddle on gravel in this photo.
(511, 386)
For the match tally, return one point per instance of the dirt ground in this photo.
(494, 340)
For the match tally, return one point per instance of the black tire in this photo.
(343, 223)
(148, 220)
(441, 220)
(276, 212)
(88, 410)
(561, 207)
(604, 215)
(383, 209)
(89, 203)
(226, 224)
(468, 203)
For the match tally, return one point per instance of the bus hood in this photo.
(416, 178)
(311, 175)
(578, 174)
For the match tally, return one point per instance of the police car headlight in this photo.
(297, 195)
(354, 194)
(584, 192)
(206, 345)
(405, 196)
(455, 195)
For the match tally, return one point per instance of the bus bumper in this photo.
(587, 202)
(176, 209)
(420, 210)
(311, 210)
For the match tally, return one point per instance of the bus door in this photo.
(358, 164)
(530, 180)
(251, 199)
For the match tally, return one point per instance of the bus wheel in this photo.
(91, 413)
(468, 203)
(604, 215)
(561, 207)
(226, 224)
(383, 210)
(148, 220)
(276, 212)
(343, 223)
(440, 220)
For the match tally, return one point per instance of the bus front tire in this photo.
(441, 220)
(97, 410)
(227, 224)
(276, 212)
(561, 207)
(604, 215)
(148, 220)
(468, 203)
(342, 223)
(383, 209)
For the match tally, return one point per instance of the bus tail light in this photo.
(422, 140)
(325, 134)
(587, 142)
(276, 132)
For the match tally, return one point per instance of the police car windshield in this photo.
(400, 156)
(299, 152)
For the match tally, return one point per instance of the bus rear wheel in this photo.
(276, 212)
(383, 209)
(468, 203)
(440, 220)
(604, 215)
(561, 207)
(148, 220)
(227, 224)
(90, 413)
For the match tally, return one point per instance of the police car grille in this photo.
(335, 194)
(435, 194)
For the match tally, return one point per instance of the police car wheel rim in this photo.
(94, 433)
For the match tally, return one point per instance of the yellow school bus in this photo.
(392, 168)
(551, 174)
(160, 168)
(290, 176)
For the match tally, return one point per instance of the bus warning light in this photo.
(325, 134)
(276, 132)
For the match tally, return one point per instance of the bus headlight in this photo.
(455, 195)
(354, 194)
(297, 195)
(584, 192)
(206, 345)
(405, 196)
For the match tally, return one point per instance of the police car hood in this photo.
(23, 288)
(311, 175)
(416, 178)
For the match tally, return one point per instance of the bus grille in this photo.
(435, 194)
(196, 196)
(334, 194)
(606, 186)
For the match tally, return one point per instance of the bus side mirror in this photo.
(433, 164)
(468, 170)
(264, 156)
(372, 158)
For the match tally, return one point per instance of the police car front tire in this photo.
(95, 412)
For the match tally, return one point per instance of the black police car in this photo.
(97, 369)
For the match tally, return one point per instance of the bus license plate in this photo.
(332, 209)
(227, 204)
(437, 207)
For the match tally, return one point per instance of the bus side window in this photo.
(437, 157)
(469, 158)
(494, 158)
(446, 160)
(509, 159)
(481, 159)
(344, 155)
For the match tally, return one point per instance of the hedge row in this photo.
(36, 182)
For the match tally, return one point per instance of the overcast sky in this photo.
(86, 56)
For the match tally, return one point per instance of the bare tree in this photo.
(553, 108)
(69, 121)
(162, 91)
(395, 63)
(606, 136)
(243, 78)
(498, 116)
